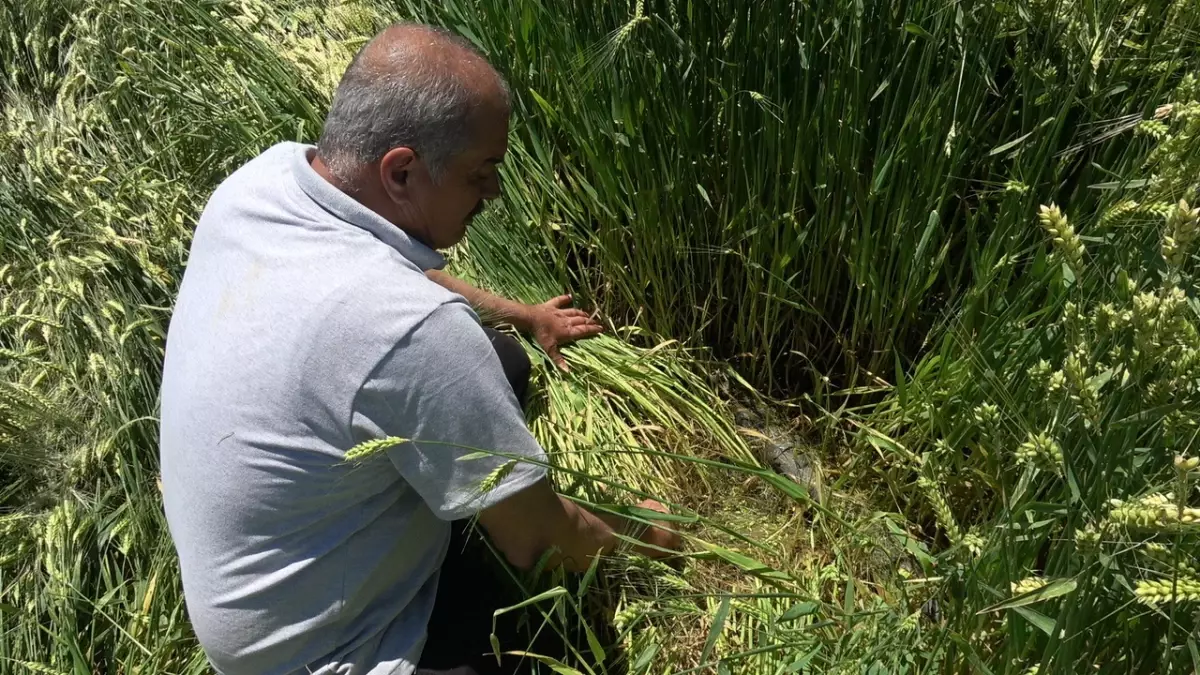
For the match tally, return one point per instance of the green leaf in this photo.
(798, 610)
(1073, 485)
(1039, 620)
(598, 652)
(496, 647)
(714, 631)
(848, 597)
(1054, 589)
(544, 105)
(787, 486)
(931, 224)
(646, 658)
(881, 174)
(746, 563)
(1118, 184)
(1068, 275)
(1097, 381)
(554, 664)
(917, 30)
(802, 662)
(588, 577)
(886, 444)
(556, 592)
(1011, 144)
(880, 89)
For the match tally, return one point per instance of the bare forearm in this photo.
(492, 309)
(583, 536)
(537, 519)
(589, 534)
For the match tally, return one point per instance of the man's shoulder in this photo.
(383, 304)
(273, 162)
(262, 174)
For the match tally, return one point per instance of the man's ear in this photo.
(395, 170)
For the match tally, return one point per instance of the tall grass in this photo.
(101, 114)
(839, 198)
(806, 187)
(1060, 432)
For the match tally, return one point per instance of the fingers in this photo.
(578, 328)
(653, 505)
(557, 357)
(664, 539)
(561, 302)
(586, 331)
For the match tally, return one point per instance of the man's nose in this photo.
(491, 189)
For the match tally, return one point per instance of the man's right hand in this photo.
(536, 519)
(657, 536)
(554, 323)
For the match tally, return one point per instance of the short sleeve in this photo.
(443, 388)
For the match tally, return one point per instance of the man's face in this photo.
(440, 211)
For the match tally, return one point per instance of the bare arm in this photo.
(491, 308)
(536, 520)
(552, 323)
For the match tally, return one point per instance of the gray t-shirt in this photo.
(304, 326)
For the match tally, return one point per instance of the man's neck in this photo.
(358, 189)
(323, 171)
(372, 198)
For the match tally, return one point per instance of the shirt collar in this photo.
(346, 208)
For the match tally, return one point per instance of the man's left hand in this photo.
(555, 323)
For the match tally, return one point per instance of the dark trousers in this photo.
(473, 585)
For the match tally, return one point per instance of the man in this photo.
(306, 325)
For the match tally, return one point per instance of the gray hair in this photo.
(405, 96)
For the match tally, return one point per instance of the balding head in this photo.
(411, 86)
